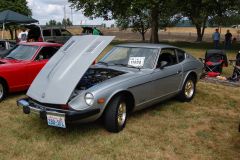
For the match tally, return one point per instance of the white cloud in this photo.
(45, 10)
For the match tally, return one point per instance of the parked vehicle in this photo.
(47, 34)
(57, 35)
(5, 47)
(22, 64)
(89, 31)
(128, 78)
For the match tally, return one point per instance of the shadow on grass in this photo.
(96, 126)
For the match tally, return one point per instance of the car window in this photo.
(132, 56)
(46, 52)
(2, 45)
(47, 32)
(56, 32)
(22, 52)
(167, 55)
(180, 55)
(65, 32)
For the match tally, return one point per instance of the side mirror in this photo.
(163, 64)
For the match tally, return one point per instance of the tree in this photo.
(51, 23)
(66, 22)
(19, 6)
(113, 9)
(137, 19)
(200, 11)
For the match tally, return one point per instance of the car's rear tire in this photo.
(115, 115)
(188, 90)
(3, 90)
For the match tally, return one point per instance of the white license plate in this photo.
(56, 121)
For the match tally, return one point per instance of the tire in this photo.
(188, 90)
(115, 116)
(3, 90)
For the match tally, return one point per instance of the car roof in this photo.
(145, 45)
(40, 44)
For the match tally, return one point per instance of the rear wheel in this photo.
(188, 90)
(115, 116)
(3, 90)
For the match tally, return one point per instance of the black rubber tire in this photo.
(111, 115)
(182, 96)
(4, 90)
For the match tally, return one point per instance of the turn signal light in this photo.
(100, 100)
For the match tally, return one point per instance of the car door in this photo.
(168, 77)
(39, 61)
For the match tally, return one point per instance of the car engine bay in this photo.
(94, 76)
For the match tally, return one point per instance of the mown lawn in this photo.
(205, 128)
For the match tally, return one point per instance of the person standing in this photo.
(216, 38)
(95, 31)
(22, 36)
(228, 40)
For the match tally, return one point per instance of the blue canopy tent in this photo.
(12, 17)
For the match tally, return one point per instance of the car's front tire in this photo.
(115, 115)
(3, 90)
(188, 90)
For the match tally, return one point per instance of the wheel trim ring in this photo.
(189, 89)
(122, 114)
(1, 91)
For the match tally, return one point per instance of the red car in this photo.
(21, 65)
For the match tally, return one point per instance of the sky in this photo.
(45, 10)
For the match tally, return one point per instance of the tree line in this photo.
(154, 14)
(141, 15)
(65, 23)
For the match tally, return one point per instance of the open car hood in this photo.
(56, 81)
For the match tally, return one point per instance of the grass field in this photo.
(205, 128)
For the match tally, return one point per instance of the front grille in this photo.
(44, 105)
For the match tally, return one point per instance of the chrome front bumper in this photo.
(70, 115)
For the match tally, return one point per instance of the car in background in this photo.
(19, 68)
(5, 47)
(128, 78)
(56, 35)
(47, 34)
(89, 31)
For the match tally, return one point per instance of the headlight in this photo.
(89, 99)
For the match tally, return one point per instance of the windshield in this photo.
(22, 52)
(131, 56)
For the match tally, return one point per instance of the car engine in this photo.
(94, 76)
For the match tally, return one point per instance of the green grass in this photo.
(205, 128)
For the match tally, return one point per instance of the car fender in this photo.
(5, 81)
(116, 93)
(186, 76)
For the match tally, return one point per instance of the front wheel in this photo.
(115, 116)
(3, 90)
(188, 90)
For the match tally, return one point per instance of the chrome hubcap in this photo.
(1, 90)
(189, 89)
(122, 113)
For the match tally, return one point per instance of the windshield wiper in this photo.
(127, 65)
(104, 63)
(10, 58)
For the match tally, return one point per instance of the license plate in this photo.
(56, 121)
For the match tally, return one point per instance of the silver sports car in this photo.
(128, 78)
